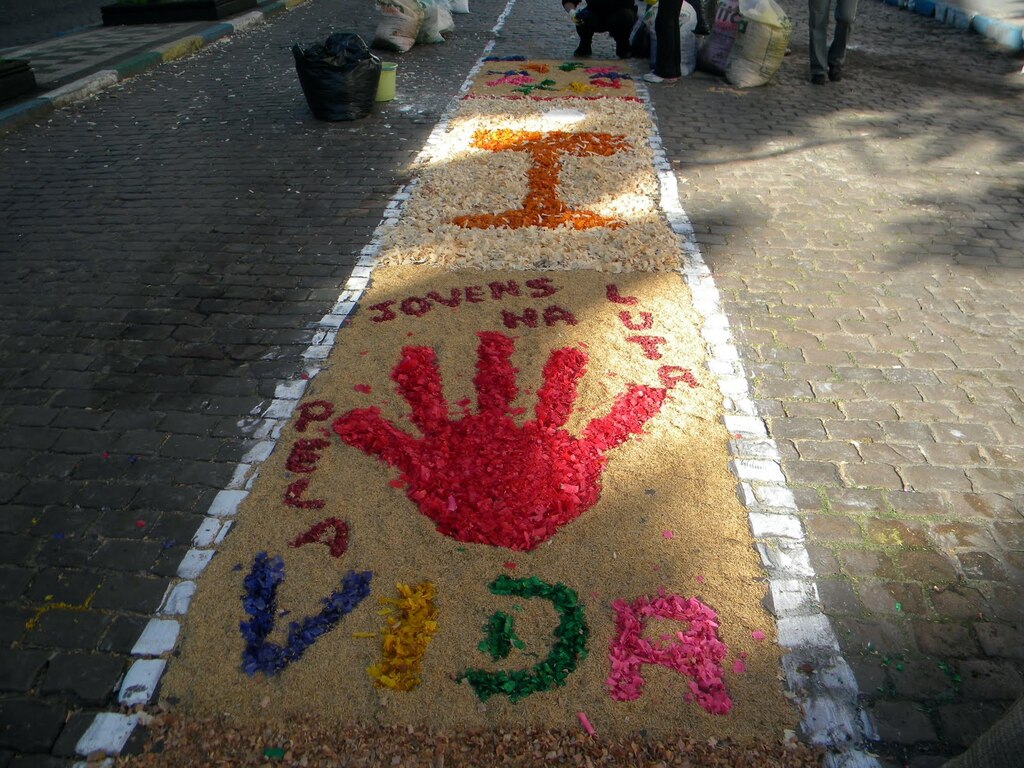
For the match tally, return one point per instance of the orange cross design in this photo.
(542, 206)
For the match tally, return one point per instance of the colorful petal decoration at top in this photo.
(514, 79)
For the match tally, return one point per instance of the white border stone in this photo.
(158, 637)
(107, 733)
(141, 681)
(178, 599)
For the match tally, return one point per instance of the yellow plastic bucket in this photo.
(386, 84)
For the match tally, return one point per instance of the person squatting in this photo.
(616, 17)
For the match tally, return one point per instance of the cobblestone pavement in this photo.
(171, 244)
(22, 22)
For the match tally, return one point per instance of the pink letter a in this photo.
(696, 652)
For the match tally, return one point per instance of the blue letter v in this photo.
(260, 602)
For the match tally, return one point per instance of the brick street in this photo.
(171, 244)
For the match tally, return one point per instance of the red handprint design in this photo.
(482, 478)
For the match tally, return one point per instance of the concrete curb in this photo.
(41, 105)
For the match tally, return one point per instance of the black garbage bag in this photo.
(339, 76)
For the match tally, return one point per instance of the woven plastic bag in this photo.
(713, 56)
(338, 77)
(762, 37)
(437, 20)
(400, 25)
(1000, 746)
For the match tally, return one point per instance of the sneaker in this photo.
(835, 73)
(818, 79)
(650, 77)
(583, 52)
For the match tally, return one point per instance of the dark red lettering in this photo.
(542, 287)
(512, 320)
(555, 314)
(293, 496)
(385, 313)
(474, 294)
(415, 306)
(305, 454)
(453, 301)
(649, 344)
(647, 321)
(337, 543)
(612, 292)
(500, 289)
(314, 410)
(670, 375)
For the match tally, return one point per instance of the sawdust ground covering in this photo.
(186, 742)
(459, 179)
(667, 517)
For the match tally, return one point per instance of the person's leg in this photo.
(846, 13)
(585, 30)
(817, 25)
(619, 24)
(666, 29)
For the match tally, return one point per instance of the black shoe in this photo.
(818, 79)
(583, 52)
(835, 73)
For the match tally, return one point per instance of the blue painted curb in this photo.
(275, 7)
(924, 7)
(216, 32)
(25, 111)
(1007, 35)
(1004, 34)
(137, 64)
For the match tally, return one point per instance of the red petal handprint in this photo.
(481, 477)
